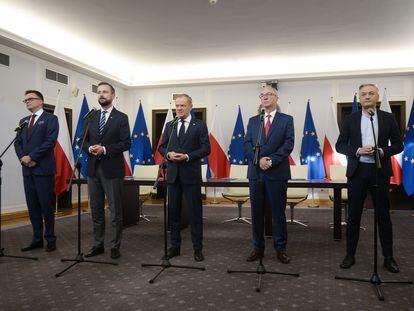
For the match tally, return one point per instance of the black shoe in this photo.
(96, 250)
(32, 246)
(283, 257)
(50, 247)
(348, 262)
(391, 265)
(198, 255)
(172, 252)
(115, 253)
(255, 255)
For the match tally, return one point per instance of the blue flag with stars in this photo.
(310, 151)
(236, 149)
(355, 104)
(408, 156)
(141, 151)
(76, 145)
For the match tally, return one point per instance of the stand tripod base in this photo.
(260, 271)
(79, 259)
(165, 264)
(2, 254)
(376, 282)
(296, 222)
(239, 219)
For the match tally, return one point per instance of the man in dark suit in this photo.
(108, 137)
(189, 144)
(34, 148)
(268, 180)
(356, 141)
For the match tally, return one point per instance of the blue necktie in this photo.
(181, 132)
(102, 121)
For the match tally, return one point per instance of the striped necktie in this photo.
(102, 121)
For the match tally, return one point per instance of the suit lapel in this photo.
(358, 127)
(36, 125)
(190, 129)
(108, 122)
(380, 117)
(273, 125)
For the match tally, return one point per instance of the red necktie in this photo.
(29, 129)
(267, 127)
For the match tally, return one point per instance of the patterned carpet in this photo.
(31, 285)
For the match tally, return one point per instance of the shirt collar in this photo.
(188, 119)
(38, 113)
(272, 114)
(109, 110)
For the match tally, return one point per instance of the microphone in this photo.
(371, 112)
(21, 126)
(90, 113)
(175, 121)
(262, 111)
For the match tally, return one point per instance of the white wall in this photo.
(27, 72)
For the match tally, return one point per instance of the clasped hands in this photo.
(96, 150)
(176, 156)
(265, 163)
(27, 161)
(367, 150)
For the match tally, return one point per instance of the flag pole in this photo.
(57, 213)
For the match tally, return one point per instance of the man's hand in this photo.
(97, 150)
(25, 160)
(176, 157)
(32, 164)
(366, 150)
(265, 163)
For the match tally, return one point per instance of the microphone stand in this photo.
(79, 256)
(165, 263)
(2, 254)
(260, 269)
(375, 279)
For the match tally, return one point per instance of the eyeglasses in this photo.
(261, 96)
(28, 100)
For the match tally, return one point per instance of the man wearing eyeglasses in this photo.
(34, 147)
(268, 180)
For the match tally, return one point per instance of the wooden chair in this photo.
(297, 195)
(238, 195)
(145, 192)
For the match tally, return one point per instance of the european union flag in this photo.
(355, 104)
(140, 152)
(76, 145)
(408, 156)
(236, 149)
(310, 151)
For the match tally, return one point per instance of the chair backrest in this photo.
(338, 172)
(146, 172)
(238, 171)
(298, 172)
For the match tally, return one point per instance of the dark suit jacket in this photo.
(115, 138)
(40, 146)
(350, 140)
(278, 146)
(196, 144)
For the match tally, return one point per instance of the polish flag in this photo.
(127, 164)
(294, 153)
(217, 160)
(63, 151)
(396, 160)
(330, 156)
(158, 157)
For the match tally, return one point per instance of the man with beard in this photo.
(108, 137)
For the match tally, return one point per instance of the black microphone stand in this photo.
(260, 269)
(165, 264)
(79, 256)
(2, 254)
(375, 279)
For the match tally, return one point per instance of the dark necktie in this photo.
(29, 129)
(102, 121)
(181, 132)
(267, 127)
